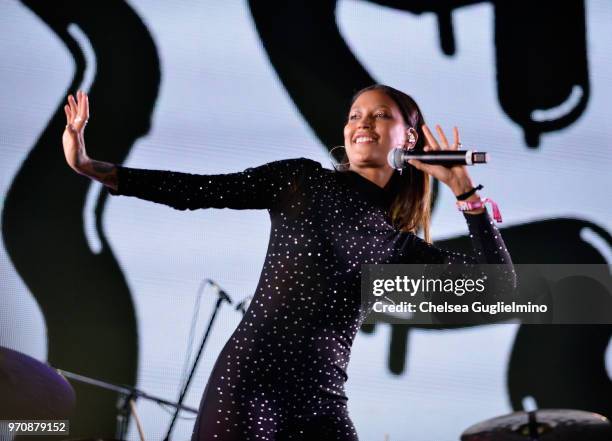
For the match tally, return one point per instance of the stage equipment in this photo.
(244, 304)
(127, 395)
(222, 296)
(542, 425)
(30, 389)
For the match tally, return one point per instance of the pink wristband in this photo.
(475, 205)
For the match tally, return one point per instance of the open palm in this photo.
(73, 140)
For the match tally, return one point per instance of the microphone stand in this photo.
(127, 394)
(223, 297)
(244, 305)
(123, 414)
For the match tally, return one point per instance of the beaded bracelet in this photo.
(475, 205)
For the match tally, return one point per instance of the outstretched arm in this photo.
(257, 187)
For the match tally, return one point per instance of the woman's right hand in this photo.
(73, 139)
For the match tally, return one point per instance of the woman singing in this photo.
(281, 374)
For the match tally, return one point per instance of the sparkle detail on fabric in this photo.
(281, 374)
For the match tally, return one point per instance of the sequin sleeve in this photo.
(487, 243)
(257, 187)
(488, 248)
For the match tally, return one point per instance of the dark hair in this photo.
(411, 208)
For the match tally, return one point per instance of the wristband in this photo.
(467, 194)
(475, 205)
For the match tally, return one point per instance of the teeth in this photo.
(364, 139)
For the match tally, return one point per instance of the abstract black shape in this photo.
(541, 63)
(312, 60)
(541, 58)
(86, 303)
(540, 46)
(560, 366)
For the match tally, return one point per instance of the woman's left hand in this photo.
(456, 176)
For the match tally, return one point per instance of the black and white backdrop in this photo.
(106, 286)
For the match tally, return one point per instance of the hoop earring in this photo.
(331, 158)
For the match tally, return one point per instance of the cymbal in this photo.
(542, 425)
(31, 389)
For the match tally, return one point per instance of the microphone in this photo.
(220, 291)
(398, 157)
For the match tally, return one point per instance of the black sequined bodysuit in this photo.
(281, 374)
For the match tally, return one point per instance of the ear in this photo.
(411, 138)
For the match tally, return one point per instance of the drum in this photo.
(542, 425)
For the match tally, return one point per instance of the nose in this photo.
(364, 122)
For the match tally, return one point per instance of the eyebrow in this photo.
(376, 108)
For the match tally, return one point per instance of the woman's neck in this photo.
(378, 175)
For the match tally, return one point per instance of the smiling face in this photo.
(374, 126)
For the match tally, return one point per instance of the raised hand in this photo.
(456, 176)
(73, 139)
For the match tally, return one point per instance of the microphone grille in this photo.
(480, 157)
(394, 158)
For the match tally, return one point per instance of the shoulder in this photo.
(299, 163)
(295, 166)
